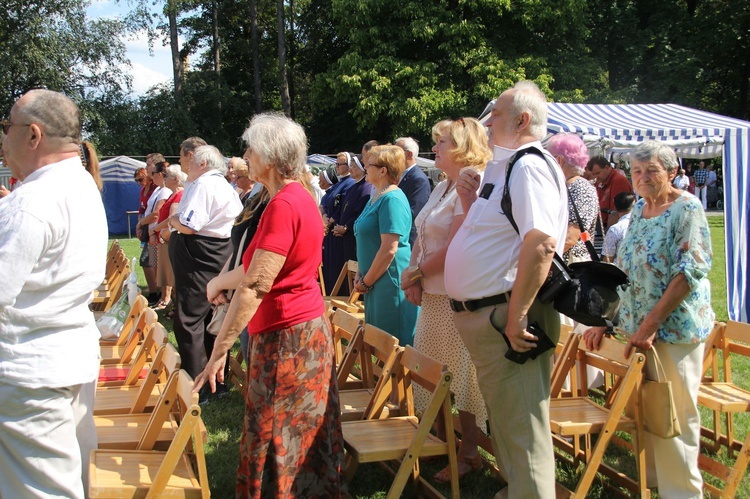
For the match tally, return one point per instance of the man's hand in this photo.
(3, 191)
(520, 339)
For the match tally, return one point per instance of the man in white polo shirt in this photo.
(493, 273)
(53, 247)
(200, 247)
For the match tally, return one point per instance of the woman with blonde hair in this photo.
(383, 252)
(459, 144)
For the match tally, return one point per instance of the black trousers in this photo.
(195, 261)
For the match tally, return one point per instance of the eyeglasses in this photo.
(342, 164)
(140, 180)
(6, 124)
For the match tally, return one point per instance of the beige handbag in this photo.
(657, 401)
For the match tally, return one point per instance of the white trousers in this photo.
(674, 461)
(702, 193)
(40, 454)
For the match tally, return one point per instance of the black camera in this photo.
(543, 344)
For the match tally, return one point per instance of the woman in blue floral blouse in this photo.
(667, 255)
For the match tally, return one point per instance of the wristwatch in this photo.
(414, 273)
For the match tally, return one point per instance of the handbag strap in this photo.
(585, 235)
(661, 376)
(237, 260)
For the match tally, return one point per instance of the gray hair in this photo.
(646, 151)
(528, 98)
(408, 144)
(176, 172)
(212, 157)
(56, 114)
(278, 141)
(191, 144)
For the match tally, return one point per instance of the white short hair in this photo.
(408, 144)
(212, 157)
(279, 141)
(529, 98)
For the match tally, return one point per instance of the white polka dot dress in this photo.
(437, 337)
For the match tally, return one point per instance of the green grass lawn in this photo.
(223, 418)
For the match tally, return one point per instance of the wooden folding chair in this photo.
(128, 326)
(407, 438)
(581, 416)
(719, 393)
(152, 474)
(134, 398)
(111, 289)
(349, 303)
(123, 354)
(237, 374)
(344, 325)
(375, 351)
(132, 374)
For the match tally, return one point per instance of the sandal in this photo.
(469, 464)
(162, 305)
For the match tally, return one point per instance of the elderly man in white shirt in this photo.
(200, 247)
(53, 245)
(493, 272)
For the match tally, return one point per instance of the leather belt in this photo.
(472, 305)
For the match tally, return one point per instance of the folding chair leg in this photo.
(738, 470)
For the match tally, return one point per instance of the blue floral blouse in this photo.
(653, 252)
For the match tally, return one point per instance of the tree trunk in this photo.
(282, 59)
(174, 42)
(292, 58)
(215, 36)
(256, 55)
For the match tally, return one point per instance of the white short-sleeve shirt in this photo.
(53, 248)
(159, 194)
(482, 259)
(209, 205)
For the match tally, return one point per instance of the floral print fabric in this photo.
(292, 445)
(655, 251)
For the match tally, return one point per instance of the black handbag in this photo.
(584, 291)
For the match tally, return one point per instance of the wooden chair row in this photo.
(149, 430)
(116, 272)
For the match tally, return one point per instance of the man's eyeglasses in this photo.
(6, 124)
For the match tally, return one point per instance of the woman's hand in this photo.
(338, 230)
(214, 293)
(643, 338)
(593, 337)
(213, 373)
(165, 235)
(414, 293)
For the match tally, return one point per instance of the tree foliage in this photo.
(363, 69)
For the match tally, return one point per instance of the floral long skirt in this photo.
(292, 445)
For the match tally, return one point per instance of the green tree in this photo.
(51, 43)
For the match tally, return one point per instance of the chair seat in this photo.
(354, 402)
(111, 354)
(119, 399)
(580, 416)
(126, 473)
(123, 431)
(386, 439)
(724, 397)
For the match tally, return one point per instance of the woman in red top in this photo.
(292, 444)
(174, 179)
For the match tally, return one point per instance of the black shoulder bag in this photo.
(584, 291)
